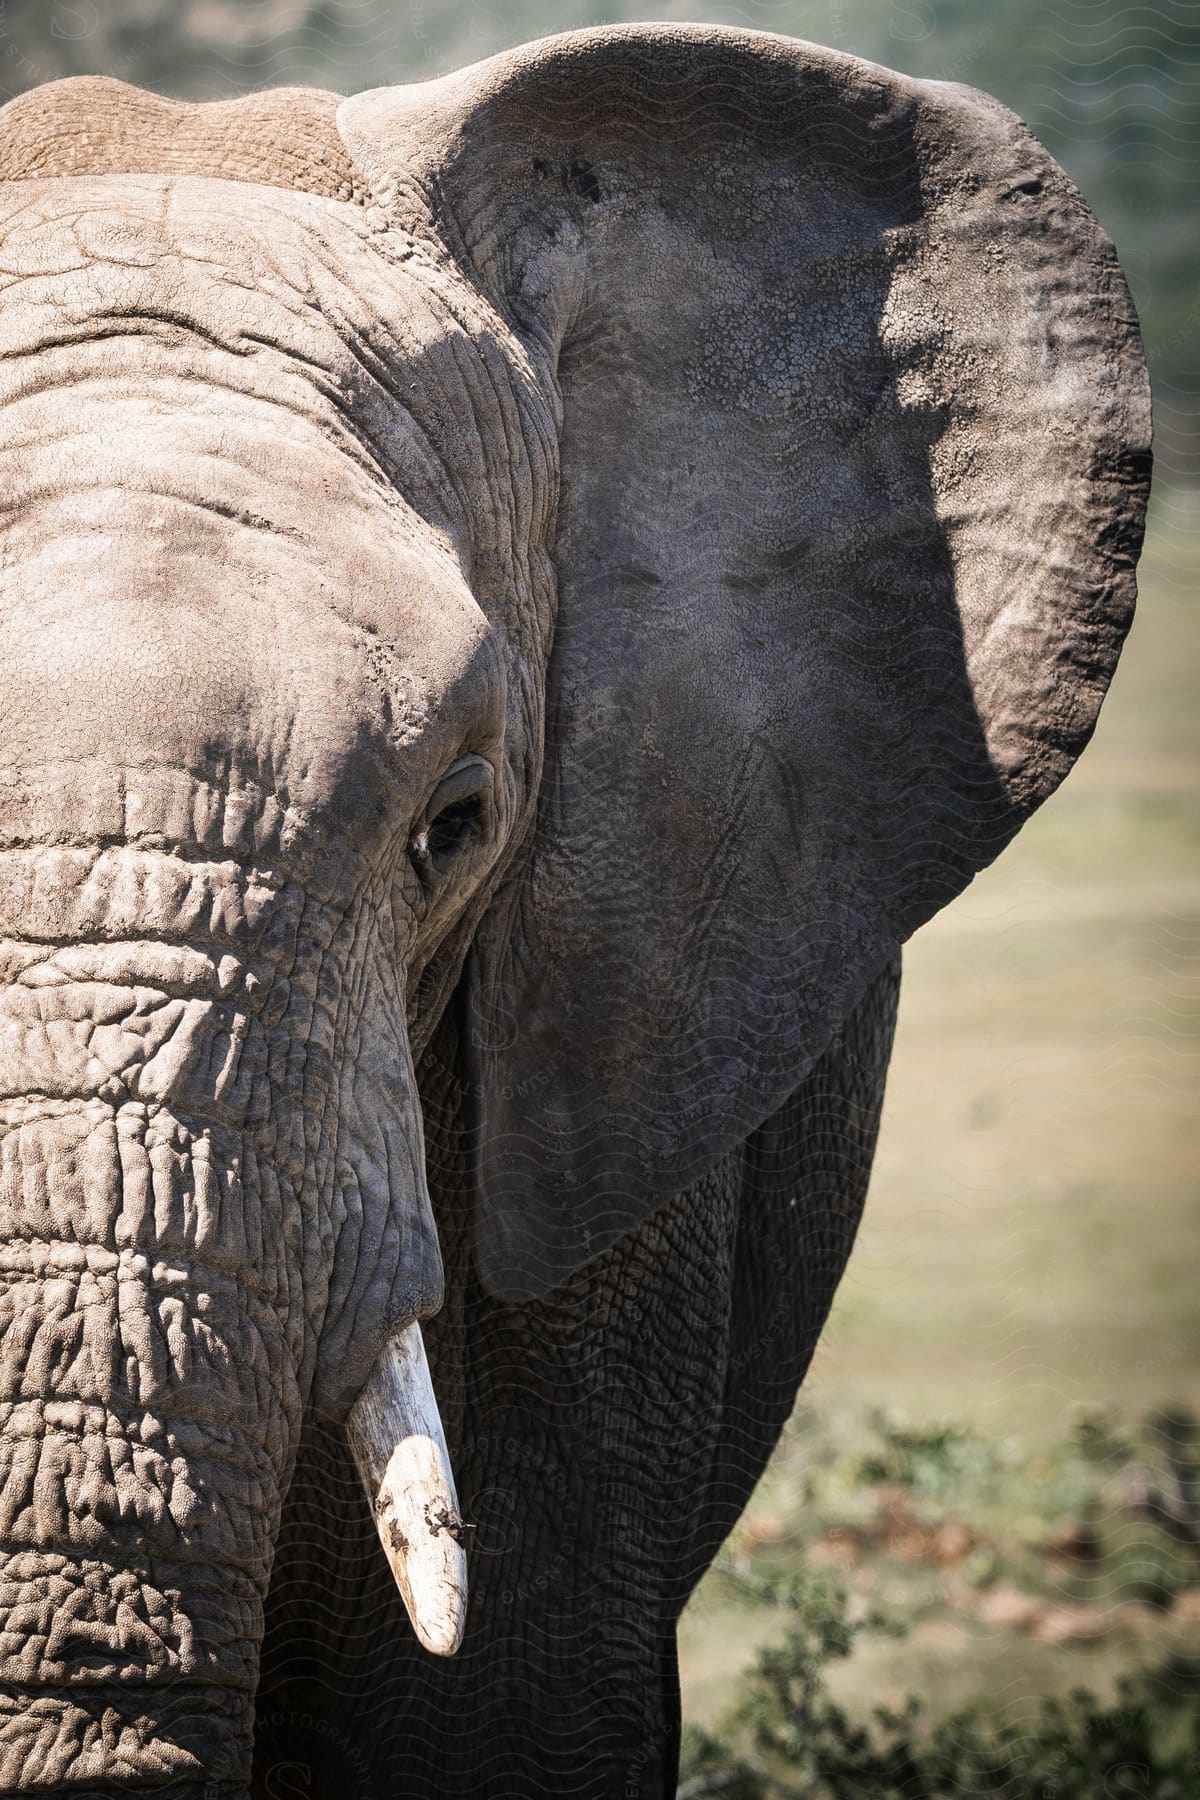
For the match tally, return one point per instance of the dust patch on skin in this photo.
(439, 1518)
(395, 1535)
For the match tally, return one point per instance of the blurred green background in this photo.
(981, 1446)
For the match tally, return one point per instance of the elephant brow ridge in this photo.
(94, 125)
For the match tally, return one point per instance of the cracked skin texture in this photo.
(723, 462)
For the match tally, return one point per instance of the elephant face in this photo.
(238, 651)
(262, 756)
(619, 535)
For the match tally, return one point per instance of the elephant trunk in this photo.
(159, 1308)
(212, 1213)
(148, 1403)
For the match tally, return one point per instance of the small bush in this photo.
(786, 1739)
(931, 1459)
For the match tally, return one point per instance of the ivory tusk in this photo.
(399, 1448)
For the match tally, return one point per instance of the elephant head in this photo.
(607, 542)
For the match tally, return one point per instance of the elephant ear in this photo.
(854, 460)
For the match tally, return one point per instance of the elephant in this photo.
(520, 592)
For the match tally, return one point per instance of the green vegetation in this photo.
(801, 1745)
(1094, 1542)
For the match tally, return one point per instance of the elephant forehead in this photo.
(227, 262)
(226, 546)
(128, 285)
(216, 650)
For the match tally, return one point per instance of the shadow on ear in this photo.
(854, 459)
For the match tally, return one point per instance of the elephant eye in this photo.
(452, 825)
(454, 816)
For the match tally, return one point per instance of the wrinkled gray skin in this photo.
(707, 474)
